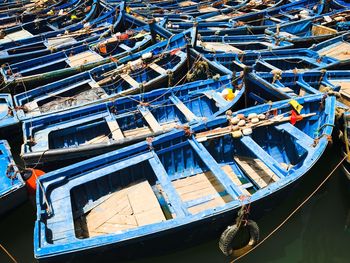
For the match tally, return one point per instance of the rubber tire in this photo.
(225, 242)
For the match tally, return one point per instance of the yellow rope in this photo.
(291, 214)
(8, 253)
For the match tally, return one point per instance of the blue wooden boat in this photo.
(269, 13)
(20, 35)
(29, 13)
(341, 3)
(8, 115)
(310, 31)
(294, 60)
(77, 201)
(239, 44)
(12, 186)
(337, 48)
(35, 47)
(76, 59)
(69, 136)
(159, 65)
(81, 12)
(264, 87)
(38, 71)
(188, 9)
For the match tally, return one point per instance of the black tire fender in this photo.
(228, 236)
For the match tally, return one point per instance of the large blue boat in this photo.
(176, 188)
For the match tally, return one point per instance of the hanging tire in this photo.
(228, 237)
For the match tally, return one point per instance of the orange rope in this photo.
(8, 253)
(291, 214)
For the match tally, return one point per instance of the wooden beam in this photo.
(150, 119)
(260, 153)
(172, 196)
(189, 115)
(215, 168)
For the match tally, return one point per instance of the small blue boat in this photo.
(157, 66)
(178, 185)
(73, 135)
(293, 60)
(17, 36)
(102, 27)
(307, 32)
(8, 115)
(239, 44)
(12, 186)
(337, 48)
(265, 86)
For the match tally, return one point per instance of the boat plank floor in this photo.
(256, 170)
(203, 185)
(340, 51)
(83, 58)
(133, 206)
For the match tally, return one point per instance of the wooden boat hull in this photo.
(12, 191)
(66, 185)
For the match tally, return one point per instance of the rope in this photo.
(291, 214)
(8, 253)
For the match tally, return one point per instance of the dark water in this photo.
(317, 233)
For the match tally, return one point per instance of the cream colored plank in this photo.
(58, 41)
(151, 216)
(133, 83)
(340, 51)
(117, 133)
(220, 47)
(83, 58)
(143, 131)
(157, 68)
(257, 171)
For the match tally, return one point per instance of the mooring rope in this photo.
(8, 253)
(291, 214)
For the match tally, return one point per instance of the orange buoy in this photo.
(30, 175)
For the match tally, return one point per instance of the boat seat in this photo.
(157, 68)
(189, 115)
(18, 35)
(59, 41)
(83, 58)
(256, 170)
(267, 159)
(150, 119)
(216, 96)
(42, 136)
(133, 83)
(187, 3)
(304, 139)
(113, 126)
(207, 9)
(222, 47)
(125, 47)
(319, 30)
(339, 51)
(133, 206)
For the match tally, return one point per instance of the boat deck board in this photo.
(205, 186)
(133, 206)
(18, 35)
(58, 41)
(256, 170)
(340, 51)
(115, 130)
(84, 58)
